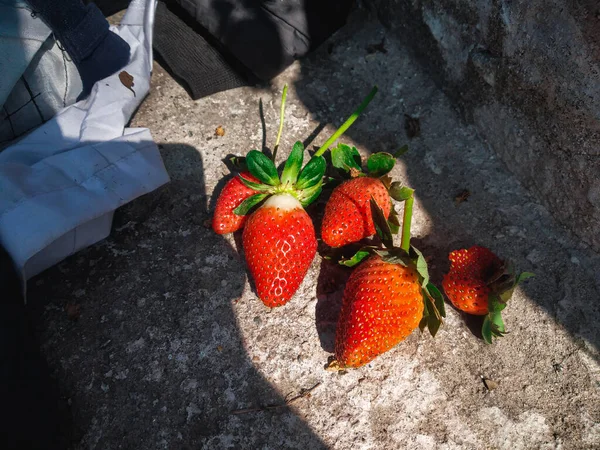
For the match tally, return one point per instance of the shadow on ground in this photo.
(162, 343)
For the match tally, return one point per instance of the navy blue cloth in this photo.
(83, 32)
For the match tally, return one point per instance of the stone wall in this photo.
(527, 74)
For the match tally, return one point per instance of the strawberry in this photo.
(382, 305)
(480, 283)
(280, 244)
(233, 194)
(466, 283)
(386, 298)
(347, 216)
(279, 237)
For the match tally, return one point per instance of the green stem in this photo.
(406, 219)
(348, 122)
(283, 97)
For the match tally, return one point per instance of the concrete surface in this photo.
(170, 340)
(526, 73)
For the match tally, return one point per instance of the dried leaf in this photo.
(412, 125)
(220, 131)
(73, 311)
(127, 80)
(490, 385)
(377, 48)
(462, 196)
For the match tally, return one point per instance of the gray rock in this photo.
(527, 75)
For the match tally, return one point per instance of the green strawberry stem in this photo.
(281, 114)
(406, 219)
(341, 130)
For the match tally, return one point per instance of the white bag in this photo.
(60, 184)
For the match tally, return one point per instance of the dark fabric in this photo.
(83, 32)
(191, 58)
(31, 417)
(268, 35)
(79, 28)
(110, 7)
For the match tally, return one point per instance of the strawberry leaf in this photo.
(497, 323)
(293, 164)
(493, 326)
(394, 256)
(486, 330)
(238, 163)
(312, 173)
(394, 226)
(431, 316)
(345, 158)
(524, 276)
(420, 265)
(438, 299)
(400, 193)
(356, 258)
(495, 304)
(401, 151)
(394, 221)
(309, 195)
(262, 168)
(381, 224)
(379, 164)
(424, 320)
(387, 181)
(249, 203)
(256, 186)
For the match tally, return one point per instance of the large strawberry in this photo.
(480, 283)
(279, 238)
(382, 305)
(279, 243)
(233, 194)
(347, 216)
(386, 298)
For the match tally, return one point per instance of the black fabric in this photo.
(269, 35)
(110, 7)
(191, 58)
(31, 412)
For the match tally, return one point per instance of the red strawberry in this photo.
(480, 283)
(279, 244)
(466, 285)
(382, 305)
(233, 194)
(347, 216)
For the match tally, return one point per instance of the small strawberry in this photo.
(480, 283)
(347, 215)
(279, 244)
(233, 194)
(386, 298)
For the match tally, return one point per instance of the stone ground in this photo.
(171, 340)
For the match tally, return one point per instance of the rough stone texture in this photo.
(171, 338)
(526, 73)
